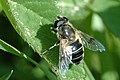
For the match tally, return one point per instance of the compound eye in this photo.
(65, 18)
(55, 24)
(59, 18)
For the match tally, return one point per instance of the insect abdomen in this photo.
(77, 52)
(78, 56)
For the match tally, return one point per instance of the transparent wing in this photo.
(65, 57)
(91, 43)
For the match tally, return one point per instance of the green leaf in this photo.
(77, 72)
(0, 8)
(7, 75)
(74, 9)
(97, 5)
(8, 48)
(109, 11)
(31, 25)
(111, 19)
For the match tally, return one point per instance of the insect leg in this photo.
(46, 50)
(56, 44)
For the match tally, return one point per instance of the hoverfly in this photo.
(72, 43)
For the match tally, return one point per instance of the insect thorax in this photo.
(66, 32)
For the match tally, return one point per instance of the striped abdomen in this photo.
(77, 52)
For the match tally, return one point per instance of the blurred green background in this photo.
(100, 19)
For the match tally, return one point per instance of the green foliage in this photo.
(32, 20)
(73, 9)
(6, 76)
(8, 48)
(109, 12)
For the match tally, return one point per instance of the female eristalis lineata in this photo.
(72, 43)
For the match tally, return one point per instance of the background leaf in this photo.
(8, 48)
(6, 76)
(32, 26)
(109, 13)
(74, 9)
